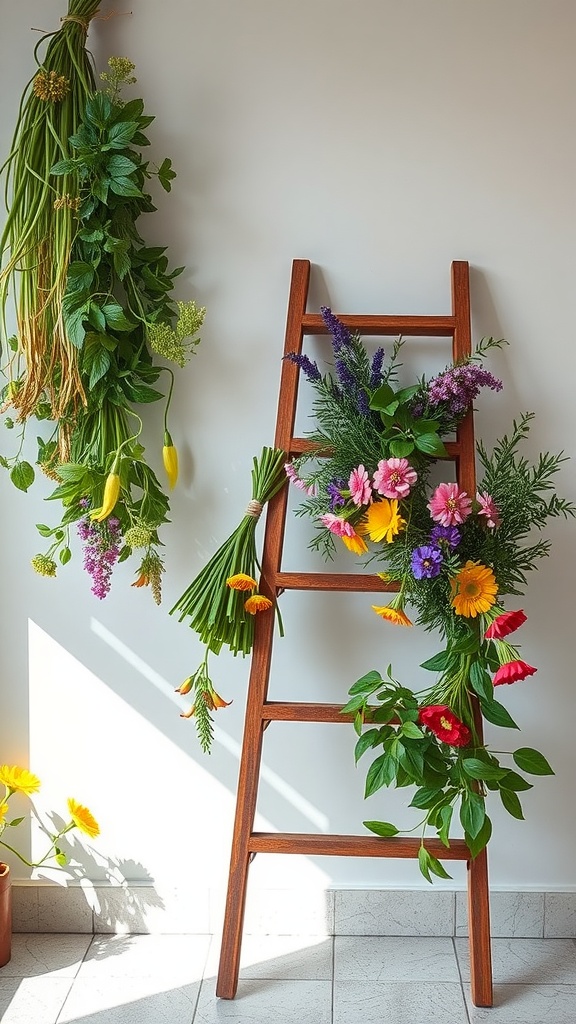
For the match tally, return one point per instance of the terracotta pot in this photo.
(5, 915)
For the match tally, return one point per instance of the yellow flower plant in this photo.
(19, 780)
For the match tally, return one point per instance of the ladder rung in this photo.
(289, 711)
(412, 326)
(312, 845)
(332, 581)
(301, 445)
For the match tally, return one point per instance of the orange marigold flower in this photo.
(257, 603)
(396, 615)
(355, 544)
(83, 818)
(19, 780)
(241, 581)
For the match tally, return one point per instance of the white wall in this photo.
(380, 140)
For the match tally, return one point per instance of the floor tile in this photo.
(172, 959)
(129, 1001)
(527, 961)
(399, 958)
(32, 1000)
(357, 1002)
(528, 1004)
(280, 957)
(42, 954)
(263, 1002)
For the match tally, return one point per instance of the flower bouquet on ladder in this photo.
(449, 557)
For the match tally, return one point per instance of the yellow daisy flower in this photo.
(395, 615)
(19, 780)
(474, 590)
(83, 819)
(257, 603)
(241, 582)
(355, 544)
(383, 520)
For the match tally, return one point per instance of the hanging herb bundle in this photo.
(222, 601)
(115, 308)
(40, 226)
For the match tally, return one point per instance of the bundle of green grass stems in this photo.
(40, 224)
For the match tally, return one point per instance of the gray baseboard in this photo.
(146, 909)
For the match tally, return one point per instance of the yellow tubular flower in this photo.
(186, 686)
(83, 819)
(111, 494)
(19, 780)
(170, 459)
(3, 811)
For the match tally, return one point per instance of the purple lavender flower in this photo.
(341, 336)
(306, 365)
(362, 403)
(448, 536)
(334, 489)
(459, 386)
(345, 375)
(376, 369)
(101, 551)
(426, 562)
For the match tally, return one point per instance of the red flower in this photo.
(504, 624)
(444, 724)
(511, 671)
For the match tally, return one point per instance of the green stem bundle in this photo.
(41, 223)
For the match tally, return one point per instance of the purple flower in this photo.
(341, 337)
(345, 375)
(101, 551)
(306, 365)
(426, 562)
(376, 369)
(448, 536)
(334, 489)
(362, 403)
(459, 386)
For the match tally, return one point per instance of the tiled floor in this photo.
(170, 979)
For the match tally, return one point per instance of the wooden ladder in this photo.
(260, 711)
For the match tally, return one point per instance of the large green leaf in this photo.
(381, 828)
(472, 813)
(512, 803)
(532, 761)
(22, 475)
(496, 713)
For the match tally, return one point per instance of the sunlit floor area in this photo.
(170, 979)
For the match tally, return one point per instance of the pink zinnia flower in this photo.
(449, 506)
(488, 509)
(512, 671)
(504, 624)
(338, 525)
(394, 478)
(360, 488)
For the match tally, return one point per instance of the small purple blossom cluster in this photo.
(101, 550)
(457, 387)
